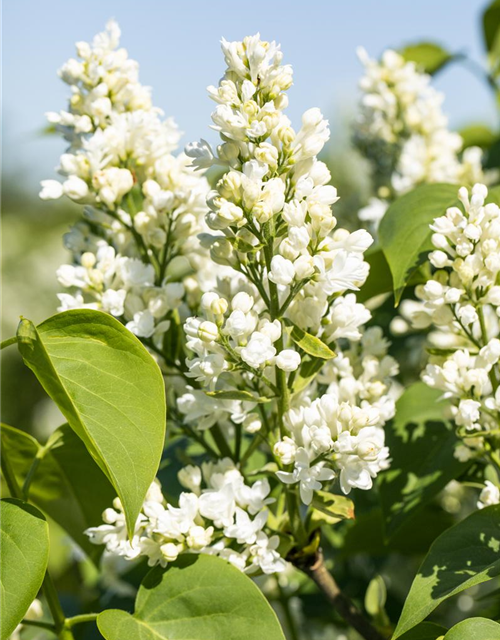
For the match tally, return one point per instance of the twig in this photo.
(316, 569)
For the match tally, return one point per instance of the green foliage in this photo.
(24, 537)
(197, 597)
(404, 231)
(67, 484)
(428, 56)
(422, 445)
(308, 343)
(109, 389)
(424, 631)
(477, 135)
(491, 27)
(463, 556)
(328, 509)
(474, 629)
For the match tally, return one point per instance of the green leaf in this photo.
(428, 56)
(67, 485)
(494, 195)
(491, 25)
(474, 629)
(404, 230)
(309, 368)
(236, 394)
(243, 246)
(477, 135)
(110, 391)
(379, 279)
(308, 343)
(333, 506)
(198, 597)
(463, 556)
(24, 537)
(493, 157)
(425, 631)
(422, 445)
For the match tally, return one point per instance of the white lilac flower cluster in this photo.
(461, 303)
(291, 273)
(220, 514)
(343, 428)
(404, 133)
(143, 206)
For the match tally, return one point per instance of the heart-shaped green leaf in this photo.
(24, 538)
(198, 597)
(463, 556)
(404, 230)
(67, 485)
(110, 391)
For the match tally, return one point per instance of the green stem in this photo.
(84, 617)
(38, 623)
(31, 474)
(237, 443)
(8, 342)
(221, 442)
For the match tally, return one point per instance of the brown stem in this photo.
(316, 569)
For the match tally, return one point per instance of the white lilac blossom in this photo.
(219, 515)
(404, 133)
(292, 271)
(143, 206)
(461, 306)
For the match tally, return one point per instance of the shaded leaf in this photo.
(491, 25)
(68, 485)
(425, 631)
(24, 538)
(422, 446)
(463, 556)
(197, 597)
(110, 391)
(404, 230)
(477, 135)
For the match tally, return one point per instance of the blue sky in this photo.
(177, 46)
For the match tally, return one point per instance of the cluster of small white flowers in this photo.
(291, 269)
(219, 515)
(143, 206)
(342, 430)
(403, 131)
(462, 303)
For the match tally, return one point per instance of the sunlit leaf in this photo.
(110, 391)
(198, 597)
(404, 230)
